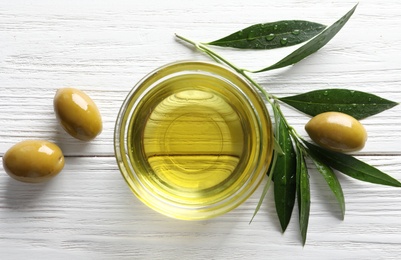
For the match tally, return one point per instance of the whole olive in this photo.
(33, 161)
(337, 132)
(77, 114)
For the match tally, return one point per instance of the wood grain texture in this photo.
(104, 48)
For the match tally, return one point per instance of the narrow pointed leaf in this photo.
(266, 188)
(355, 103)
(271, 35)
(303, 194)
(352, 167)
(313, 45)
(277, 147)
(276, 151)
(331, 180)
(284, 176)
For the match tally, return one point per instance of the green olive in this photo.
(33, 161)
(77, 114)
(337, 132)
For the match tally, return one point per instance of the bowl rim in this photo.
(266, 137)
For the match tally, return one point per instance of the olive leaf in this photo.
(354, 103)
(313, 45)
(267, 185)
(271, 35)
(331, 180)
(351, 166)
(303, 193)
(284, 175)
(277, 151)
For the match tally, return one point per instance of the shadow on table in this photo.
(19, 195)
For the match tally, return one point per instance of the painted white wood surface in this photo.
(104, 48)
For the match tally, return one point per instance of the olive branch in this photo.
(288, 169)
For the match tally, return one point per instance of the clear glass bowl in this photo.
(193, 140)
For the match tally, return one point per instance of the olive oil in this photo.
(193, 140)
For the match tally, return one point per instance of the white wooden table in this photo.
(104, 48)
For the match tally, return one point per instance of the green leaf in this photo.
(271, 35)
(277, 151)
(284, 176)
(303, 194)
(267, 185)
(352, 167)
(354, 103)
(313, 45)
(331, 180)
(277, 147)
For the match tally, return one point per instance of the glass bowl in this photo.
(193, 140)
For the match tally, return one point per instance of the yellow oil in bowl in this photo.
(193, 140)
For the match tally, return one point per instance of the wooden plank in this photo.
(104, 48)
